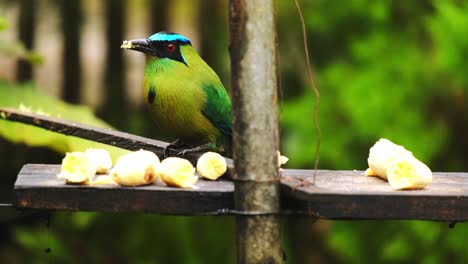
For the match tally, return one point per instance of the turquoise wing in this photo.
(218, 108)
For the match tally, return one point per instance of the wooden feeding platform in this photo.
(335, 195)
(38, 187)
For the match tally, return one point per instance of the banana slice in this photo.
(211, 165)
(381, 154)
(77, 168)
(135, 168)
(408, 173)
(104, 180)
(394, 163)
(177, 172)
(101, 159)
(281, 159)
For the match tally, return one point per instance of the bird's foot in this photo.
(180, 149)
(200, 148)
(176, 145)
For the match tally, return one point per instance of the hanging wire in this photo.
(314, 88)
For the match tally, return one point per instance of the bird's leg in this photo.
(183, 149)
(177, 144)
(204, 147)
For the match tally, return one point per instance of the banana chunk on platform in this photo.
(281, 159)
(135, 168)
(394, 163)
(211, 165)
(177, 172)
(77, 168)
(101, 159)
(382, 154)
(408, 173)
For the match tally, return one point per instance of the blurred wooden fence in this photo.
(80, 41)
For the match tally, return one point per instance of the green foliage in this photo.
(15, 48)
(27, 98)
(448, 27)
(393, 69)
(390, 72)
(39, 241)
(385, 68)
(3, 23)
(130, 238)
(399, 242)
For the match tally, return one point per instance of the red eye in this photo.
(170, 47)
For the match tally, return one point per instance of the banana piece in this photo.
(135, 168)
(211, 165)
(101, 159)
(370, 172)
(104, 180)
(177, 172)
(408, 173)
(77, 168)
(394, 163)
(381, 154)
(281, 159)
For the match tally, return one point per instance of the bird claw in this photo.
(177, 144)
(200, 148)
(181, 149)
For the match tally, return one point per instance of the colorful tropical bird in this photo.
(185, 97)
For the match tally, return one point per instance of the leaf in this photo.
(27, 98)
(17, 49)
(3, 23)
(38, 242)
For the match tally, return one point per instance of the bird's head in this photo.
(161, 45)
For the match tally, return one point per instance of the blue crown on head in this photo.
(169, 36)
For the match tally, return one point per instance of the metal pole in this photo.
(255, 134)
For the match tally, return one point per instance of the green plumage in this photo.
(184, 95)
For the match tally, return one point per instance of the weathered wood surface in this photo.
(38, 187)
(336, 195)
(254, 75)
(77, 129)
(103, 135)
(352, 195)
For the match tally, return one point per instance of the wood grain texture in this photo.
(336, 195)
(253, 50)
(98, 134)
(38, 187)
(103, 135)
(352, 195)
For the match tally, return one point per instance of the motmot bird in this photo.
(185, 97)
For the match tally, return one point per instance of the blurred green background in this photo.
(385, 68)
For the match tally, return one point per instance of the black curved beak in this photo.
(141, 45)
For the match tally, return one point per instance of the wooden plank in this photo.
(336, 195)
(98, 134)
(352, 195)
(38, 187)
(103, 135)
